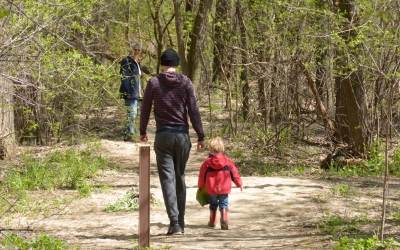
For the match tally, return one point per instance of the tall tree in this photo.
(351, 127)
(7, 131)
(221, 30)
(7, 135)
(244, 81)
(322, 59)
(159, 27)
(197, 39)
(180, 36)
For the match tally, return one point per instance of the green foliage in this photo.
(343, 189)
(215, 107)
(376, 163)
(130, 202)
(3, 13)
(394, 165)
(370, 243)
(152, 247)
(335, 224)
(70, 169)
(300, 170)
(374, 166)
(43, 241)
(68, 84)
(396, 216)
(331, 223)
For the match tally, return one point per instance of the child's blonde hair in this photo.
(217, 145)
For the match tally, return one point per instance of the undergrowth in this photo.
(130, 202)
(71, 169)
(369, 243)
(43, 241)
(294, 160)
(347, 232)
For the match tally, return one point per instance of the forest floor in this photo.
(270, 212)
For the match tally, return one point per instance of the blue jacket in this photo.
(130, 79)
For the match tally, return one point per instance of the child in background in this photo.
(217, 173)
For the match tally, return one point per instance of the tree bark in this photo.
(7, 135)
(197, 38)
(350, 98)
(243, 75)
(180, 36)
(221, 15)
(319, 103)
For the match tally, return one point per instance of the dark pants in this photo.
(172, 153)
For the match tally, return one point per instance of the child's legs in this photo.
(220, 200)
(223, 201)
(213, 202)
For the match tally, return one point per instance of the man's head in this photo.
(170, 58)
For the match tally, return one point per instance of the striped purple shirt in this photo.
(173, 97)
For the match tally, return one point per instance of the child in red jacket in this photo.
(217, 173)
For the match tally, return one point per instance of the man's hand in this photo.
(143, 138)
(201, 145)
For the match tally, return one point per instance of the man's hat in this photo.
(170, 58)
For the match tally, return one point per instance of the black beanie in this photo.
(170, 58)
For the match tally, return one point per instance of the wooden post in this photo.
(144, 196)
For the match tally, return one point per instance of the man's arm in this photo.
(145, 110)
(201, 145)
(195, 118)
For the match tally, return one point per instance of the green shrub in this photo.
(365, 243)
(72, 169)
(343, 189)
(130, 202)
(335, 224)
(12, 241)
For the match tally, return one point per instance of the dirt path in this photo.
(270, 213)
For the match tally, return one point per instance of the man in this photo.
(130, 89)
(174, 99)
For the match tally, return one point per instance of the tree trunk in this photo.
(180, 37)
(221, 15)
(197, 38)
(243, 74)
(321, 58)
(350, 99)
(7, 135)
(318, 103)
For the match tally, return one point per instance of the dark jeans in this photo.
(172, 153)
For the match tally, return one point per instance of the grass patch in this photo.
(72, 169)
(43, 241)
(130, 202)
(343, 190)
(365, 243)
(337, 226)
(153, 246)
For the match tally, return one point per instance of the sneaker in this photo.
(182, 225)
(174, 230)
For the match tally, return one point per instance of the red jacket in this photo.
(217, 172)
